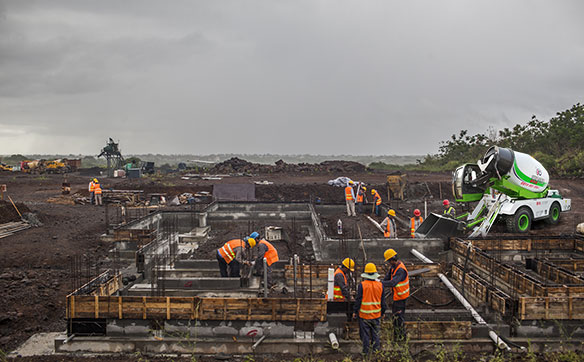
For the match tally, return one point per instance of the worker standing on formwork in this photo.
(91, 194)
(370, 307)
(230, 256)
(361, 198)
(397, 278)
(449, 211)
(97, 192)
(415, 222)
(376, 200)
(341, 291)
(389, 225)
(350, 199)
(268, 251)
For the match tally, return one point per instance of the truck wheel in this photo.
(520, 222)
(554, 215)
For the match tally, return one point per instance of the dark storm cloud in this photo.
(312, 76)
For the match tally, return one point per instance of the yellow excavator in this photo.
(5, 167)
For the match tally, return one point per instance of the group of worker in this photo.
(359, 198)
(370, 304)
(95, 192)
(231, 255)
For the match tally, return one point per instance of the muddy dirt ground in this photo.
(35, 272)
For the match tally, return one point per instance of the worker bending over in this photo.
(341, 289)
(389, 225)
(370, 307)
(268, 251)
(449, 211)
(397, 278)
(361, 198)
(350, 199)
(376, 200)
(230, 256)
(97, 192)
(415, 222)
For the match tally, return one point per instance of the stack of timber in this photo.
(195, 308)
(12, 227)
(139, 236)
(421, 330)
(127, 197)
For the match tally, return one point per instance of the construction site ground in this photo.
(34, 263)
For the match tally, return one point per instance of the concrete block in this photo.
(116, 327)
(321, 329)
(203, 283)
(279, 330)
(253, 331)
(225, 331)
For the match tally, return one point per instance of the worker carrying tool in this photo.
(389, 225)
(341, 291)
(376, 200)
(449, 211)
(230, 256)
(397, 278)
(96, 192)
(350, 199)
(91, 194)
(415, 222)
(268, 251)
(361, 197)
(369, 307)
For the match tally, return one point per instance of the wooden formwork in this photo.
(528, 244)
(139, 236)
(195, 308)
(422, 330)
(556, 274)
(570, 264)
(104, 284)
(556, 308)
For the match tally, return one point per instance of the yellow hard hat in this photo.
(349, 264)
(370, 268)
(391, 212)
(373, 192)
(364, 188)
(389, 253)
(94, 180)
(351, 183)
(251, 242)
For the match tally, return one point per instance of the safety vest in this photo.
(271, 255)
(402, 289)
(97, 189)
(348, 193)
(415, 223)
(227, 251)
(450, 211)
(91, 186)
(377, 198)
(338, 293)
(387, 232)
(360, 196)
(371, 301)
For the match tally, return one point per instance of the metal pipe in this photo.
(425, 208)
(375, 223)
(255, 345)
(295, 264)
(331, 283)
(334, 341)
(265, 278)
(498, 341)
(69, 339)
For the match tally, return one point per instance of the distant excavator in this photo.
(508, 185)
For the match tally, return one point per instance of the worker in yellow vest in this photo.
(415, 222)
(268, 251)
(230, 256)
(341, 289)
(350, 199)
(369, 307)
(389, 225)
(397, 278)
(449, 211)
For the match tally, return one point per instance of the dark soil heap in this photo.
(237, 165)
(8, 213)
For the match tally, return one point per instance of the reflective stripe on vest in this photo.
(337, 292)
(387, 232)
(271, 255)
(91, 186)
(377, 198)
(450, 211)
(97, 189)
(401, 290)
(348, 193)
(415, 224)
(227, 251)
(371, 301)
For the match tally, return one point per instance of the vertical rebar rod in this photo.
(295, 265)
(265, 278)
(310, 276)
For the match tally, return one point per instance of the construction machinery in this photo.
(4, 167)
(396, 186)
(113, 155)
(510, 186)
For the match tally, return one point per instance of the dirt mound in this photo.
(9, 214)
(237, 165)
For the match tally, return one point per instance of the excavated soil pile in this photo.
(237, 165)
(9, 214)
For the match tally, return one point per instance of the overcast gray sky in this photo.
(326, 77)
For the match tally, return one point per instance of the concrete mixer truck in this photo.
(508, 185)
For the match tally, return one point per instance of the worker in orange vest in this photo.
(370, 307)
(415, 222)
(341, 287)
(361, 198)
(91, 194)
(389, 225)
(376, 200)
(230, 256)
(350, 199)
(97, 191)
(268, 251)
(397, 278)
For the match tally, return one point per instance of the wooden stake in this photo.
(19, 214)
